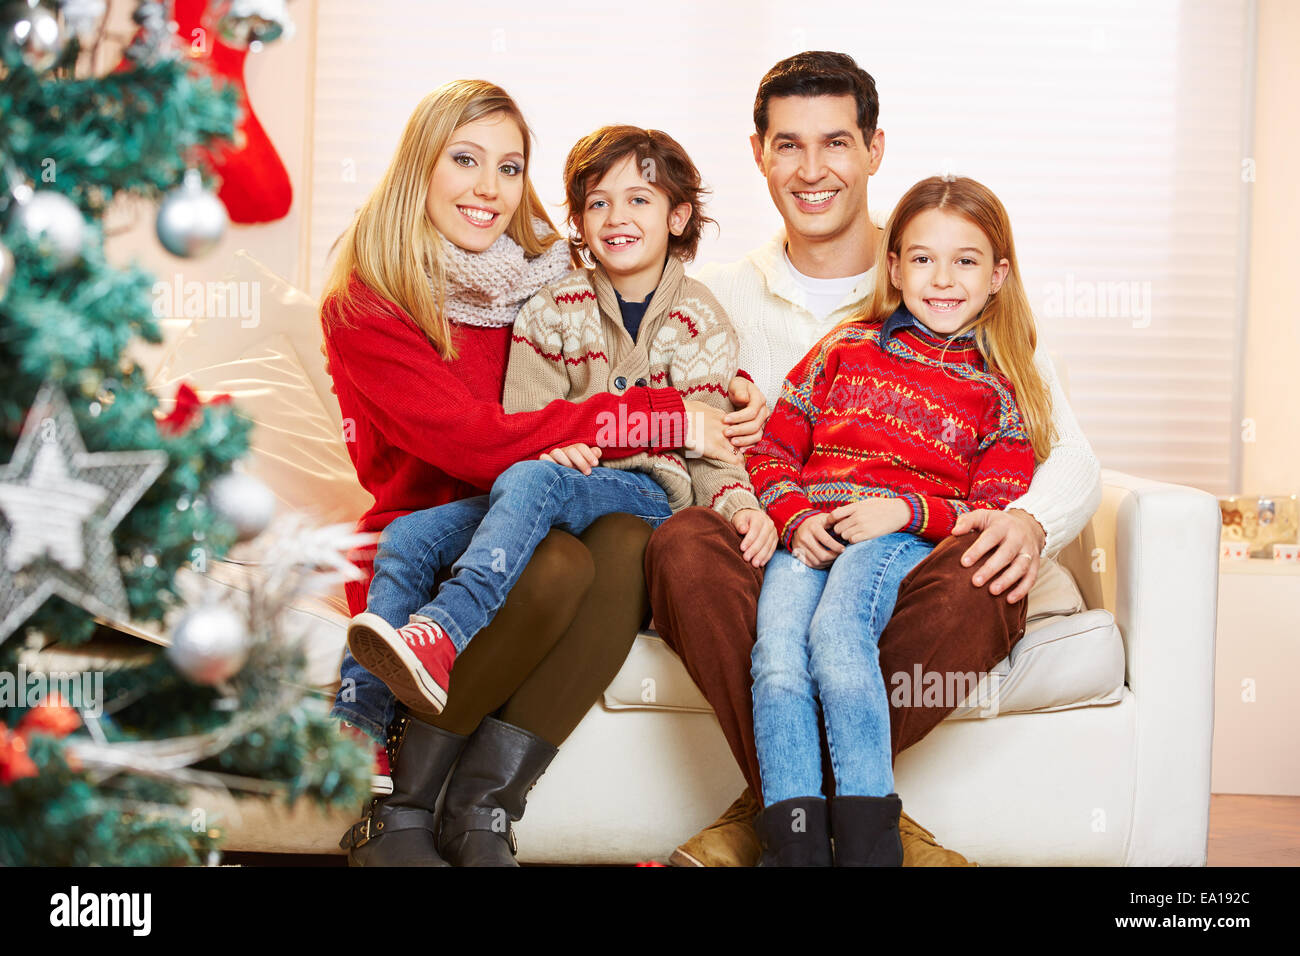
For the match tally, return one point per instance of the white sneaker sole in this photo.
(380, 649)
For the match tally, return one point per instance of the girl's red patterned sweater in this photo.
(423, 431)
(885, 410)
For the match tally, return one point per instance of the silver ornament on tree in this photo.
(59, 505)
(153, 42)
(191, 220)
(53, 222)
(244, 501)
(32, 34)
(83, 17)
(248, 24)
(209, 644)
(7, 269)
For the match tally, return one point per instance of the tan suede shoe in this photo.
(920, 848)
(729, 840)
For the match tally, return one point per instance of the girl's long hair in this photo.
(391, 245)
(1004, 329)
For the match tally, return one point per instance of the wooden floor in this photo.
(1244, 831)
(1254, 831)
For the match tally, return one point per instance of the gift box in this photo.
(1260, 521)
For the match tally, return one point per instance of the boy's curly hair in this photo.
(662, 162)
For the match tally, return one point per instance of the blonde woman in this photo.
(417, 316)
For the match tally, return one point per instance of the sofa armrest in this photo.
(1151, 557)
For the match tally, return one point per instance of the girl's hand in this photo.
(577, 456)
(759, 541)
(870, 518)
(1016, 539)
(746, 423)
(813, 544)
(704, 434)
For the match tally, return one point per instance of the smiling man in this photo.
(817, 144)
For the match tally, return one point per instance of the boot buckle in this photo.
(510, 838)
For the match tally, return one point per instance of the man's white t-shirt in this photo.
(822, 296)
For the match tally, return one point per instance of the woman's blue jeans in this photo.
(818, 634)
(491, 539)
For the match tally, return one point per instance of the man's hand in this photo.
(577, 456)
(704, 434)
(870, 518)
(813, 544)
(760, 539)
(745, 425)
(1016, 540)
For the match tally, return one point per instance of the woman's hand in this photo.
(870, 518)
(1016, 540)
(577, 456)
(704, 434)
(745, 424)
(813, 544)
(759, 541)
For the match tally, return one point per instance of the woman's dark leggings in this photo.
(561, 636)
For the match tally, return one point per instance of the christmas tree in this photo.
(104, 502)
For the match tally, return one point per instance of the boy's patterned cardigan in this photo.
(569, 342)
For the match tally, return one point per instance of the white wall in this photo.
(1271, 462)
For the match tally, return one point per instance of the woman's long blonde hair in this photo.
(1004, 329)
(391, 245)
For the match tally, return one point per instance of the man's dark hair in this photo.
(819, 73)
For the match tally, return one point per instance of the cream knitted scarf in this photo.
(488, 288)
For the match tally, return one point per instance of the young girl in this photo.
(417, 318)
(635, 321)
(896, 423)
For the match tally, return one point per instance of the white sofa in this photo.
(1089, 745)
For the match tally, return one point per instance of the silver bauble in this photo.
(247, 24)
(6, 269)
(209, 644)
(243, 501)
(82, 17)
(53, 222)
(191, 220)
(31, 34)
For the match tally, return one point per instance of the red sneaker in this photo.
(381, 781)
(414, 661)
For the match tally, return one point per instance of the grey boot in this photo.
(866, 830)
(399, 829)
(794, 832)
(487, 793)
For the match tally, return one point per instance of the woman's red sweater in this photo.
(422, 430)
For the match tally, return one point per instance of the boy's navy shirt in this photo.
(633, 313)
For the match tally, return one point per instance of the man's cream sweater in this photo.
(569, 342)
(776, 330)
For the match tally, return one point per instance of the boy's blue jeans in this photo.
(818, 634)
(491, 539)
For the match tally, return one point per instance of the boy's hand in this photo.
(745, 424)
(760, 539)
(813, 543)
(577, 456)
(870, 518)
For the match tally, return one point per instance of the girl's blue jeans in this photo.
(818, 634)
(491, 539)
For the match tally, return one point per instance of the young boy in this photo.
(633, 318)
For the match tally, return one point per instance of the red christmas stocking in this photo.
(255, 185)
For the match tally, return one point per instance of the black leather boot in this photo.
(487, 793)
(866, 830)
(399, 829)
(794, 833)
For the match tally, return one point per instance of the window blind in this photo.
(1112, 132)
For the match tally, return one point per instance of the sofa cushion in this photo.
(276, 375)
